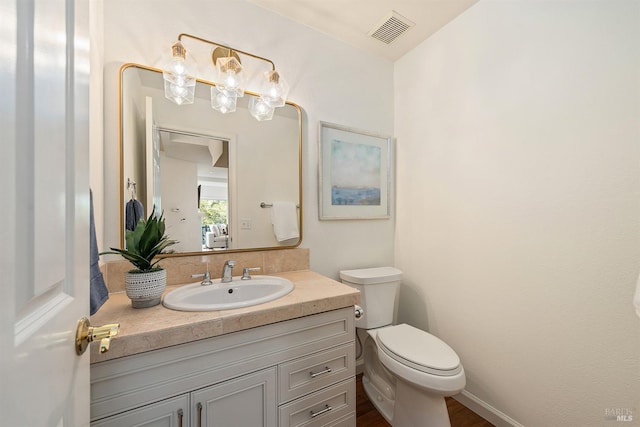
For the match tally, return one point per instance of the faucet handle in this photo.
(206, 277)
(245, 272)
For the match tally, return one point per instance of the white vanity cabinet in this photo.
(299, 372)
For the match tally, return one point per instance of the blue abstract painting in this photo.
(355, 173)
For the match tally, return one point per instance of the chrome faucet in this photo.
(227, 271)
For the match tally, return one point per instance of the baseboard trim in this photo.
(486, 411)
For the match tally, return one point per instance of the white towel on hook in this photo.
(284, 217)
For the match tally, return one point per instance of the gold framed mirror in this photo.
(216, 177)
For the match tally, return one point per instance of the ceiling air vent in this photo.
(392, 27)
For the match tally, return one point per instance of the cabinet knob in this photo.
(358, 311)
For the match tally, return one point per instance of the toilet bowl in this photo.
(407, 371)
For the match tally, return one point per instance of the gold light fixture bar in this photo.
(230, 49)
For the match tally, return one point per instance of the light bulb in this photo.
(230, 76)
(180, 93)
(231, 81)
(178, 67)
(274, 89)
(260, 109)
(223, 101)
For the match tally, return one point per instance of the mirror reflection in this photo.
(225, 182)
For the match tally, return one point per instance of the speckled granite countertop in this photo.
(157, 327)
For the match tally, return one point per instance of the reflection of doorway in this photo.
(200, 164)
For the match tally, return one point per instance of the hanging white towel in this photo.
(284, 217)
(636, 298)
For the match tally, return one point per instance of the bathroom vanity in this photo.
(289, 362)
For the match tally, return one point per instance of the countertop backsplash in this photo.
(180, 269)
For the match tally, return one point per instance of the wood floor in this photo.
(368, 416)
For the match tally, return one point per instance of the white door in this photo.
(152, 164)
(44, 216)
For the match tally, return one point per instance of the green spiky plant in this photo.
(143, 244)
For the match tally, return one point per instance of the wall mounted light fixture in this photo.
(180, 81)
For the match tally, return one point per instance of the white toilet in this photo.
(407, 371)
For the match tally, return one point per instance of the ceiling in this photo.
(352, 20)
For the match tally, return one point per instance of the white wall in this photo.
(518, 225)
(330, 80)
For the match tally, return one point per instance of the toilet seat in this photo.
(419, 350)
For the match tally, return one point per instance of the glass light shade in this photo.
(180, 93)
(260, 109)
(179, 76)
(230, 76)
(223, 102)
(274, 89)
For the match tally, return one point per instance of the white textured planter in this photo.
(145, 289)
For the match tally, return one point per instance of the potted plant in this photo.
(147, 281)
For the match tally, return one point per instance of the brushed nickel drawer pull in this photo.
(199, 406)
(317, 374)
(180, 415)
(327, 408)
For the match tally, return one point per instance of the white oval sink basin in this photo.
(225, 296)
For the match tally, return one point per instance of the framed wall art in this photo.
(354, 173)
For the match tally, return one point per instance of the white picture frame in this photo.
(354, 173)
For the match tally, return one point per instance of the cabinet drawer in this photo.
(307, 374)
(322, 408)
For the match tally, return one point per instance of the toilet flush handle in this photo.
(358, 311)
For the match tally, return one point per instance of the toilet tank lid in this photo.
(369, 276)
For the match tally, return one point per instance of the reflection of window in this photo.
(214, 212)
(214, 223)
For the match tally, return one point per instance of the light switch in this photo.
(245, 224)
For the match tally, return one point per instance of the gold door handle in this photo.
(85, 333)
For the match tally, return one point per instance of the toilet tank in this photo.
(378, 292)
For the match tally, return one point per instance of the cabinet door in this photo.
(167, 413)
(249, 400)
